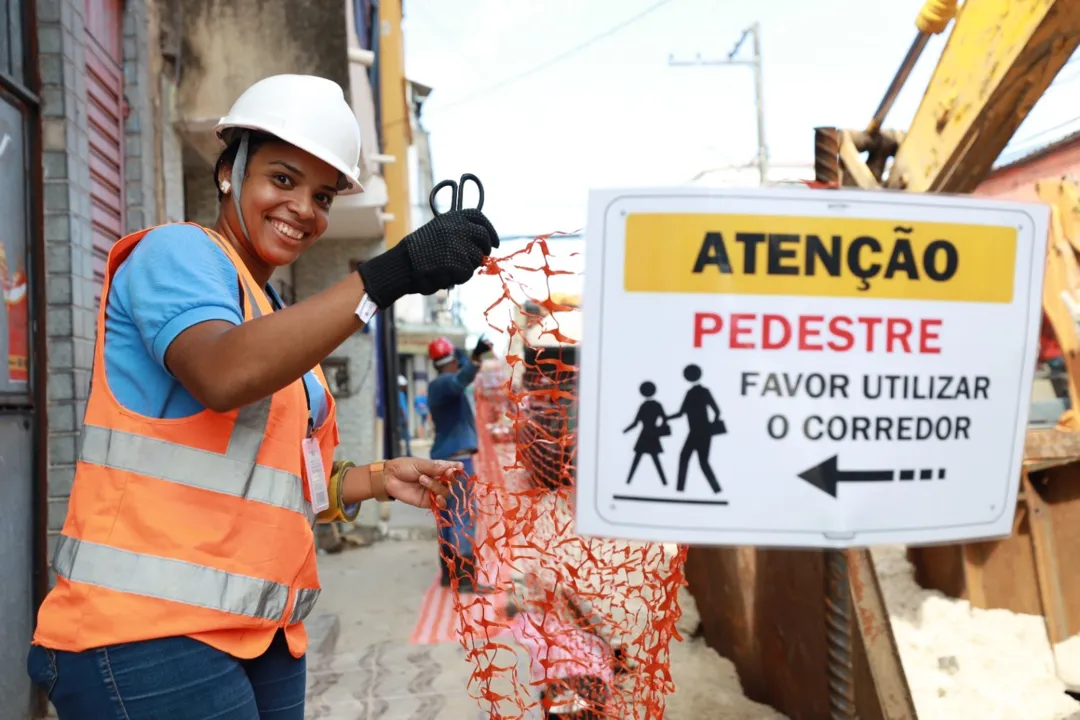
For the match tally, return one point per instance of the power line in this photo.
(550, 61)
(1025, 147)
(1022, 146)
(1047, 131)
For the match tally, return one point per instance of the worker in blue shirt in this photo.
(455, 438)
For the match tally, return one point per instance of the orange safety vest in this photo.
(200, 526)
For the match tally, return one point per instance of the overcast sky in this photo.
(616, 114)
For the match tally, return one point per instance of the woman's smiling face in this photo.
(286, 201)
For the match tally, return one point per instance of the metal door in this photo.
(18, 105)
(16, 536)
(105, 110)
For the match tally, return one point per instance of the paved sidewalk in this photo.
(373, 672)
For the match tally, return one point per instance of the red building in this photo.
(1016, 181)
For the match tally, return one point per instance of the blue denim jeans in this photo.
(173, 678)
(459, 513)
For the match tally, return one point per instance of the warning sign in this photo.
(793, 367)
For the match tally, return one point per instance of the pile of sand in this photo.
(963, 662)
(706, 685)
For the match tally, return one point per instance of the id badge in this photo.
(316, 475)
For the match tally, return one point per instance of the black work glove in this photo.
(436, 256)
(482, 346)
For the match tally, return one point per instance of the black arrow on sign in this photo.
(828, 475)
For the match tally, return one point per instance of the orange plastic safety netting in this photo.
(563, 626)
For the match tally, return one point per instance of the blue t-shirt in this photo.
(175, 277)
(451, 413)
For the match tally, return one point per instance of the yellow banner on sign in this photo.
(818, 256)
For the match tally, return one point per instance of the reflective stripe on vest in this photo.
(234, 473)
(178, 581)
(305, 603)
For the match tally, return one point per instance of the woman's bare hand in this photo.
(420, 482)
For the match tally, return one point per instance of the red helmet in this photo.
(440, 349)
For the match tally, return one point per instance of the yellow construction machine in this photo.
(1000, 58)
(832, 655)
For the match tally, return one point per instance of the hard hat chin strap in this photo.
(239, 171)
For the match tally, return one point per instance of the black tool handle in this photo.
(461, 191)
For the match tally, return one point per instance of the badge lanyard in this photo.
(313, 463)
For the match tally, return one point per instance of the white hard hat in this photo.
(401, 380)
(307, 111)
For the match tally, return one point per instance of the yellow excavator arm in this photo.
(1000, 58)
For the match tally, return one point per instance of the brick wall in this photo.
(69, 277)
(140, 166)
(70, 315)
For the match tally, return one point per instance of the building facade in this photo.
(107, 109)
(1016, 180)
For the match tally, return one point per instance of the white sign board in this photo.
(816, 368)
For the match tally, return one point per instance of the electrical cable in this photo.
(1023, 146)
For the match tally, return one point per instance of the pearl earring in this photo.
(225, 185)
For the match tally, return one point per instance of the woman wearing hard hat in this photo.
(186, 564)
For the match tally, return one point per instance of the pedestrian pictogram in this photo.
(796, 368)
(701, 416)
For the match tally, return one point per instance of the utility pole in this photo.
(395, 121)
(395, 142)
(754, 31)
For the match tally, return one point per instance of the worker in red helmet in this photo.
(440, 350)
(455, 439)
